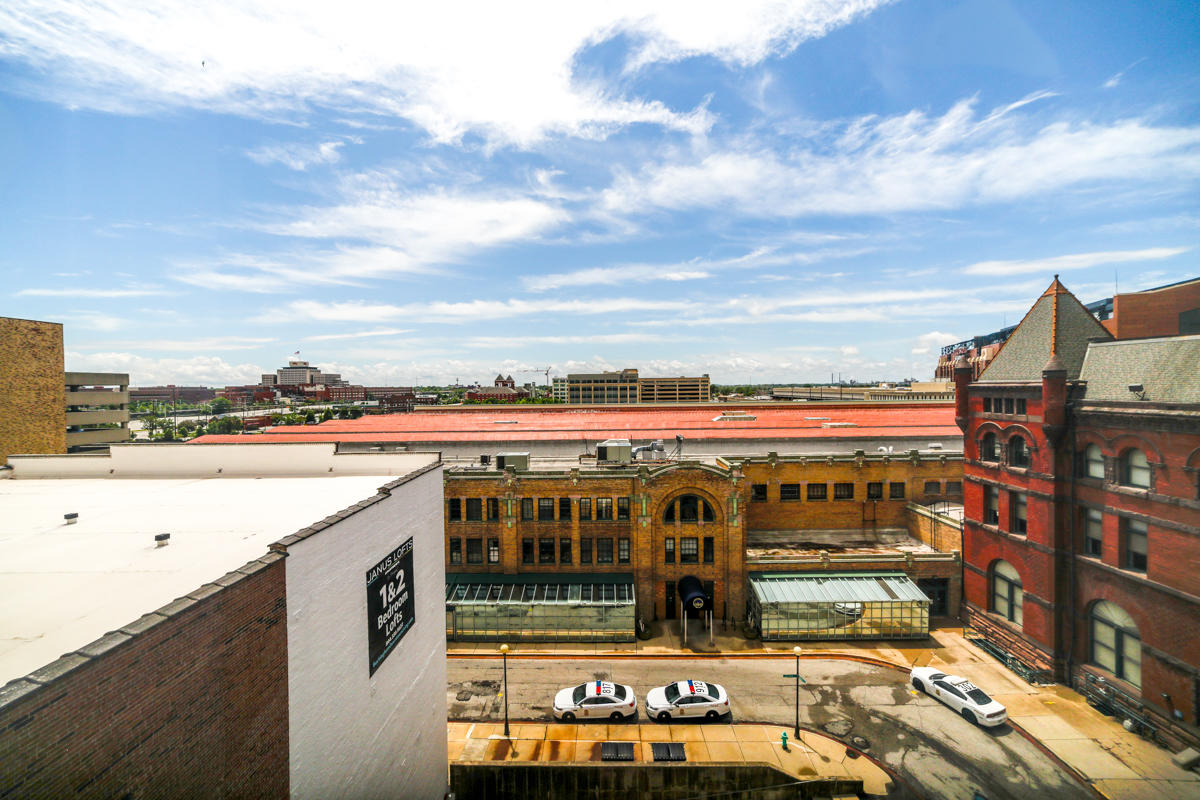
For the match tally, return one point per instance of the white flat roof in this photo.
(64, 586)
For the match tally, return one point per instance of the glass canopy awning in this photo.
(816, 605)
(572, 607)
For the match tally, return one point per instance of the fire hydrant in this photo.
(783, 736)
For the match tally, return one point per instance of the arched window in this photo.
(1007, 595)
(1091, 465)
(987, 448)
(1018, 453)
(691, 509)
(1116, 645)
(1135, 469)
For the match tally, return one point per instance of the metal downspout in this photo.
(1073, 513)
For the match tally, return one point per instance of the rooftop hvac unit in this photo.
(514, 460)
(615, 451)
(485, 459)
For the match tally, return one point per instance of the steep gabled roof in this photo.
(1166, 369)
(1057, 325)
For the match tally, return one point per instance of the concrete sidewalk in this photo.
(1117, 763)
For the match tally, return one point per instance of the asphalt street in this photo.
(934, 750)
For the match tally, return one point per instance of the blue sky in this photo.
(760, 191)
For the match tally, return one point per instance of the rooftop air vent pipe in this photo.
(71, 518)
(162, 539)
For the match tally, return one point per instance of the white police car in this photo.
(960, 694)
(687, 699)
(595, 700)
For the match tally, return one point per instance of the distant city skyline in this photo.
(763, 192)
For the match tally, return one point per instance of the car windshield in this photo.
(975, 693)
(672, 692)
(579, 693)
(619, 692)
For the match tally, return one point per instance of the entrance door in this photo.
(671, 604)
(938, 592)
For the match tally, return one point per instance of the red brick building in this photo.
(1082, 509)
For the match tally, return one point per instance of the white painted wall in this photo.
(354, 735)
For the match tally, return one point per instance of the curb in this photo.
(624, 656)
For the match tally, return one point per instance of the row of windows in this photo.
(474, 551)
(601, 547)
(541, 509)
(1004, 405)
(689, 550)
(1133, 468)
(1016, 449)
(1018, 510)
(1114, 643)
(841, 491)
(1134, 544)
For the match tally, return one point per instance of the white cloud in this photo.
(326, 337)
(451, 68)
(1115, 80)
(145, 371)
(495, 343)
(443, 311)
(1056, 264)
(913, 162)
(297, 156)
(927, 342)
(218, 343)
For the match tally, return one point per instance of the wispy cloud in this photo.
(329, 337)
(443, 311)
(210, 343)
(1055, 264)
(297, 156)
(204, 370)
(1115, 79)
(506, 74)
(913, 162)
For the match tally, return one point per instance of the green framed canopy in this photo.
(840, 605)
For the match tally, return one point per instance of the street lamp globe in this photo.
(796, 650)
(504, 648)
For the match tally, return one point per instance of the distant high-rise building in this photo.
(608, 388)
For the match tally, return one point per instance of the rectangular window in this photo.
(991, 505)
(1018, 512)
(585, 551)
(603, 508)
(526, 508)
(818, 491)
(689, 550)
(474, 509)
(454, 506)
(455, 550)
(896, 490)
(493, 551)
(1135, 545)
(546, 550)
(564, 508)
(493, 508)
(585, 509)
(843, 491)
(669, 550)
(1021, 405)
(545, 509)
(604, 550)
(622, 551)
(708, 550)
(1093, 532)
(953, 487)
(622, 508)
(474, 551)
(564, 550)
(1008, 405)
(758, 493)
(789, 491)
(875, 490)
(527, 551)
(987, 405)
(933, 487)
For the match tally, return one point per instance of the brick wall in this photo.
(1144, 314)
(193, 705)
(32, 404)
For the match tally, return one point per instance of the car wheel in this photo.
(664, 716)
(616, 716)
(919, 685)
(969, 717)
(568, 716)
(711, 715)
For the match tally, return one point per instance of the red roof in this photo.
(933, 420)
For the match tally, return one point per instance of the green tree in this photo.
(221, 405)
(327, 415)
(356, 412)
(309, 417)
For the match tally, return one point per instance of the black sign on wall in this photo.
(389, 602)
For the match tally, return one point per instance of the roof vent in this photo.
(935, 445)
(615, 451)
(514, 460)
(839, 424)
(162, 539)
(735, 416)
(71, 518)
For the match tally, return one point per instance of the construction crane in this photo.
(537, 371)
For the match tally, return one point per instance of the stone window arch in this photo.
(1018, 452)
(688, 509)
(989, 449)
(1135, 469)
(1008, 596)
(1091, 462)
(1116, 646)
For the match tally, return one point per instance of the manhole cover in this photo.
(860, 743)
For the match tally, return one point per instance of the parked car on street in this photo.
(960, 694)
(595, 700)
(687, 699)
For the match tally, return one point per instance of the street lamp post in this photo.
(504, 656)
(796, 733)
